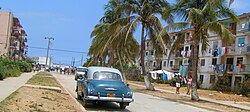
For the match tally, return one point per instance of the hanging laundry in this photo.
(223, 51)
(215, 54)
(219, 51)
(248, 48)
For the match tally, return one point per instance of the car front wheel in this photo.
(123, 105)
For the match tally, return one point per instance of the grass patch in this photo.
(28, 99)
(43, 79)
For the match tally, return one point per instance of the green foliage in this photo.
(223, 84)
(245, 88)
(11, 68)
(136, 77)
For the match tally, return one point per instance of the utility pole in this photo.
(74, 62)
(49, 42)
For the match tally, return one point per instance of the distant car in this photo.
(103, 84)
(80, 71)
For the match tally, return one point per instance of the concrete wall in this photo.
(5, 31)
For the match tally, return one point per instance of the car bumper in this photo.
(111, 99)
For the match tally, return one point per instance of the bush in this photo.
(172, 82)
(245, 88)
(11, 68)
(136, 77)
(223, 84)
(2, 72)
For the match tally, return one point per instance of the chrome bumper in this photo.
(111, 99)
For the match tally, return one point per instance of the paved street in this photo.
(11, 84)
(142, 103)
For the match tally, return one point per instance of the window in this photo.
(164, 63)
(185, 62)
(152, 52)
(186, 48)
(174, 38)
(239, 60)
(203, 62)
(166, 51)
(241, 42)
(154, 64)
(215, 44)
(212, 78)
(171, 63)
(147, 44)
(201, 78)
(103, 75)
(146, 53)
(146, 64)
(214, 61)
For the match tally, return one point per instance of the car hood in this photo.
(105, 87)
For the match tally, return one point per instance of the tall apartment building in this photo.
(12, 36)
(221, 58)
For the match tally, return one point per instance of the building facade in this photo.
(220, 58)
(13, 41)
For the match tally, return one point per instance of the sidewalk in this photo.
(226, 103)
(11, 84)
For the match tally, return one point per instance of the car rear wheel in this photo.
(123, 105)
(79, 97)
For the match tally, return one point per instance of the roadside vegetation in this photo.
(43, 79)
(29, 99)
(12, 68)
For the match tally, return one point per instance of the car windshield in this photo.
(81, 69)
(103, 75)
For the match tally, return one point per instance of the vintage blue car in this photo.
(103, 84)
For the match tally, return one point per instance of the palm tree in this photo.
(108, 40)
(134, 13)
(201, 15)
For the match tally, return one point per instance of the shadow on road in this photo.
(103, 106)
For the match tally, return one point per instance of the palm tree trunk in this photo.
(122, 70)
(194, 95)
(149, 86)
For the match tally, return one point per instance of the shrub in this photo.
(223, 84)
(2, 72)
(245, 88)
(172, 82)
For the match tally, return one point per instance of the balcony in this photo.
(244, 29)
(243, 69)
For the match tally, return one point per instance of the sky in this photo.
(69, 22)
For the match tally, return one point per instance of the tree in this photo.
(143, 13)
(109, 40)
(202, 16)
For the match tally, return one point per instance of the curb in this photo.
(67, 92)
(202, 99)
(43, 87)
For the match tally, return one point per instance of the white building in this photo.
(233, 58)
(41, 60)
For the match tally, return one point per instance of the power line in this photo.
(62, 50)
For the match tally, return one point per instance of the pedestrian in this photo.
(178, 83)
(189, 84)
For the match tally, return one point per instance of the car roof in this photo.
(93, 69)
(98, 68)
(81, 67)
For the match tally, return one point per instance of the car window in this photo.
(81, 69)
(103, 75)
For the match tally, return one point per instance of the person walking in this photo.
(189, 84)
(178, 83)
